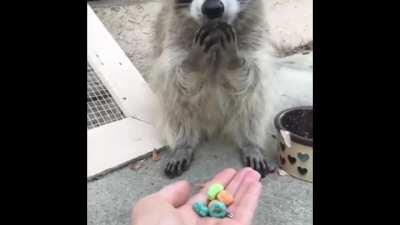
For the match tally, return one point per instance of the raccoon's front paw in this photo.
(179, 161)
(229, 48)
(205, 45)
(252, 157)
(208, 36)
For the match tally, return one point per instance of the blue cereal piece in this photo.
(200, 209)
(217, 209)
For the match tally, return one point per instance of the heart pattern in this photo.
(301, 170)
(295, 159)
(283, 160)
(292, 160)
(302, 157)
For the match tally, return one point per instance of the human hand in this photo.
(172, 205)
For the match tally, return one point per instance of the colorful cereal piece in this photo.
(217, 209)
(225, 197)
(213, 191)
(200, 209)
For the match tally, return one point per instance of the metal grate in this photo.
(101, 107)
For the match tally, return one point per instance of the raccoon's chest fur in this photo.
(210, 106)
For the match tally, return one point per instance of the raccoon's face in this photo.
(203, 11)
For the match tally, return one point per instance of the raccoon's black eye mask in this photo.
(183, 1)
(180, 4)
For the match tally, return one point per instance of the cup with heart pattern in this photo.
(296, 149)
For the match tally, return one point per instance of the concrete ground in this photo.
(284, 200)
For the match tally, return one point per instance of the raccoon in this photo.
(213, 63)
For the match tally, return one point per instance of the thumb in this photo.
(177, 193)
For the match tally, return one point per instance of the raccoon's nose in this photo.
(212, 8)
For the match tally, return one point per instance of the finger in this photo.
(234, 185)
(222, 42)
(198, 33)
(205, 32)
(232, 32)
(223, 177)
(252, 163)
(184, 165)
(226, 31)
(247, 161)
(229, 31)
(211, 42)
(249, 179)
(256, 165)
(176, 194)
(203, 36)
(247, 205)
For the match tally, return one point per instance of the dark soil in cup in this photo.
(299, 122)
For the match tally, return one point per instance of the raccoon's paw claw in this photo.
(260, 165)
(178, 162)
(253, 158)
(229, 34)
(203, 32)
(207, 36)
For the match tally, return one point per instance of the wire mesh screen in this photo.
(101, 107)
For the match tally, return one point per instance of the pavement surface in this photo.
(284, 200)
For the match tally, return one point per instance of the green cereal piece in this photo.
(200, 209)
(213, 191)
(217, 209)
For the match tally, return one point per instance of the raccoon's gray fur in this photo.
(224, 91)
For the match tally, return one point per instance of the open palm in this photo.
(173, 205)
